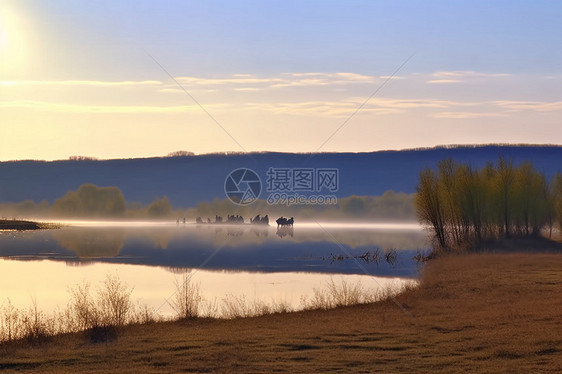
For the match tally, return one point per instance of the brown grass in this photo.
(472, 313)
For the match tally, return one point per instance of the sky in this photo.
(121, 79)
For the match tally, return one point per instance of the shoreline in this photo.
(472, 312)
(20, 225)
(24, 225)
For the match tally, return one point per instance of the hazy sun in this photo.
(13, 43)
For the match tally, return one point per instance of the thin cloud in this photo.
(444, 81)
(325, 108)
(447, 109)
(305, 82)
(462, 76)
(467, 115)
(282, 80)
(81, 83)
(538, 106)
(414, 103)
(233, 80)
(391, 77)
(323, 79)
(246, 89)
(466, 74)
(341, 76)
(299, 104)
(171, 90)
(239, 82)
(80, 108)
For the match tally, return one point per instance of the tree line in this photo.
(91, 201)
(467, 205)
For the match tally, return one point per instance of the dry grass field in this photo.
(485, 312)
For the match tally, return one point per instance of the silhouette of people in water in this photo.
(233, 219)
(260, 220)
(282, 221)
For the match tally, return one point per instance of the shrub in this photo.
(114, 301)
(187, 299)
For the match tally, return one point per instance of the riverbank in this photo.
(12, 224)
(20, 225)
(485, 312)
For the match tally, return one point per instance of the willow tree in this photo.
(428, 205)
(530, 200)
(463, 204)
(505, 177)
(556, 198)
(447, 189)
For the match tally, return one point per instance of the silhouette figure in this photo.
(257, 220)
(234, 219)
(282, 221)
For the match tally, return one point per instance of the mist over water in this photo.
(265, 263)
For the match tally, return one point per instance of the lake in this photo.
(250, 261)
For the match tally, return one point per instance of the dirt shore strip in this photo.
(472, 313)
(19, 225)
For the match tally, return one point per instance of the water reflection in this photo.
(92, 242)
(311, 248)
(153, 285)
(284, 231)
(264, 263)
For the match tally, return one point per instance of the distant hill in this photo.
(191, 179)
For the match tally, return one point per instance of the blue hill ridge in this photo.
(192, 179)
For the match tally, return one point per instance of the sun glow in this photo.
(3, 39)
(14, 45)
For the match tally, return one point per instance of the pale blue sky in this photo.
(278, 75)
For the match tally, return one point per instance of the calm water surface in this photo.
(261, 263)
